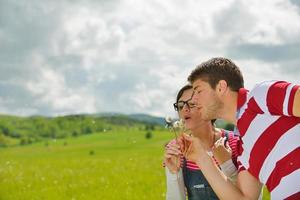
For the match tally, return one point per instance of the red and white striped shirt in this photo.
(271, 137)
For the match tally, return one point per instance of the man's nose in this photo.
(194, 98)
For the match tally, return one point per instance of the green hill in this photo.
(16, 130)
(148, 119)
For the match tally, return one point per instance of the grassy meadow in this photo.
(120, 164)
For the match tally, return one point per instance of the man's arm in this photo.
(296, 104)
(247, 187)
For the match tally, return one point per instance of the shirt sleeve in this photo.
(175, 186)
(274, 97)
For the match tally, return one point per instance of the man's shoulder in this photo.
(263, 85)
(259, 95)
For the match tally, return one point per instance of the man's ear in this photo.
(221, 87)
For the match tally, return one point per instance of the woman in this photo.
(184, 176)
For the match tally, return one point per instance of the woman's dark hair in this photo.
(182, 90)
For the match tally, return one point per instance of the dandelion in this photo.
(179, 125)
(175, 126)
(168, 121)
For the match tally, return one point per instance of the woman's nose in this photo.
(186, 108)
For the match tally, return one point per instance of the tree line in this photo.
(26, 130)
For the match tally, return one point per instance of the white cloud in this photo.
(255, 71)
(275, 22)
(133, 56)
(51, 89)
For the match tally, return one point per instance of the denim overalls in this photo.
(196, 184)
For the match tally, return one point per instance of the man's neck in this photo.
(230, 108)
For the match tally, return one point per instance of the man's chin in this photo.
(207, 117)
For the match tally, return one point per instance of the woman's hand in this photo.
(173, 157)
(221, 151)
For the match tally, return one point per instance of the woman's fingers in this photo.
(220, 142)
(167, 156)
(174, 152)
(172, 145)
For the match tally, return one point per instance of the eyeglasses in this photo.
(178, 106)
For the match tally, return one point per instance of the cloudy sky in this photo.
(131, 56)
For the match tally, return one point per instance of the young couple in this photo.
(268, 124)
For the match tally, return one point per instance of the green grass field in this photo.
(114, 165)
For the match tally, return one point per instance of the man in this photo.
(267, 119)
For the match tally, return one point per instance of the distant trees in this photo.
(148, 135)
(86, 130)
(27, 130)
(229, 127)
(149, 127)
(5, 130)
(3, 141)
(224, 125)
(25, 140)
(74, 133)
